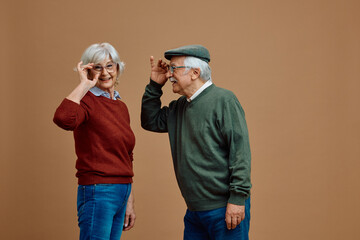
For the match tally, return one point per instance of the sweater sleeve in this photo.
(69, 115)
(153, 117)
(236, 136)
(131, 156)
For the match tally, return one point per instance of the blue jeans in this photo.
(211, 225)
(101, 210)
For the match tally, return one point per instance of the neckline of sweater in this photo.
(203, 93)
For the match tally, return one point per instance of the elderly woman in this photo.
(104, 145)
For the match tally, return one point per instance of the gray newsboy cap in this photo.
(189, 50)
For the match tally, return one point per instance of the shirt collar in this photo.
(203, 87)
(98, 92)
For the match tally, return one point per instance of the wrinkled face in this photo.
(180, 81)
(108, 73)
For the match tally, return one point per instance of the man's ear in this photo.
(195, 73)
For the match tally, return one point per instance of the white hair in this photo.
(98, 52)
(193, 62)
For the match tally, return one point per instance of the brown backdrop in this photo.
(294, 66)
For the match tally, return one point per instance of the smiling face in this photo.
(181, 81)
(108, 74)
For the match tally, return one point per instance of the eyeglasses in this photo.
(172, 68)
(110, 67)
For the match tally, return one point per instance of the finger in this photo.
(239, 219)
(228, 221)
(78, 66)
(87, 66)
(233, 222)
(84, 68)
(126, 221)
(242, 217)
(96, 77)
(159, 62)
(152, 61)
(132, 221)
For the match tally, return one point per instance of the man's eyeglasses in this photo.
(172, 68)
(110, 67)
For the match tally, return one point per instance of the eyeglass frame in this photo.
(172, 68)
(111, 70)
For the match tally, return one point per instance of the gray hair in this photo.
(193, 62)
(99, 51)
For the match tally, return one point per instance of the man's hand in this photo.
(234, 215)
(158, 71)
(130, 213)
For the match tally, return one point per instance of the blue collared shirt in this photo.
(98, 92)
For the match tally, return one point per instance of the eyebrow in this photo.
(105, 63)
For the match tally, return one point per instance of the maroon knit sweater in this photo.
(104, 140)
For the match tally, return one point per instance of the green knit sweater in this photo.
(209, 144)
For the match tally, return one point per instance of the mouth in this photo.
(104, 79)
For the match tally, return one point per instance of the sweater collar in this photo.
(203, 93)
(203, 87)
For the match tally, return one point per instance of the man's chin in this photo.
(175, 90)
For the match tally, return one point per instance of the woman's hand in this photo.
(158, 71)
(85, 83)
(130, 213)
(83, 71)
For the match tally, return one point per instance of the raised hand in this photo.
(83, 71)
(159, 71)
(85, 83)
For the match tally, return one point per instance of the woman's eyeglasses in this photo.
(110, 67)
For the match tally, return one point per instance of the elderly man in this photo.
(209, 144)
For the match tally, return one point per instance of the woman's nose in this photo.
(104, 71)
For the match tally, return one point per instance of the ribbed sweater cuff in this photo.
(155, 84)
(237, 198)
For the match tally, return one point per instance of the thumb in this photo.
(96, 77)
(228, 221)
(126, 222)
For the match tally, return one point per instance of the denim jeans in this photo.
(101, 210)
(211, 225)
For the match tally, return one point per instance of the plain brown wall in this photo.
(294, 66)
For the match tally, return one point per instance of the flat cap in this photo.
(198, 51)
